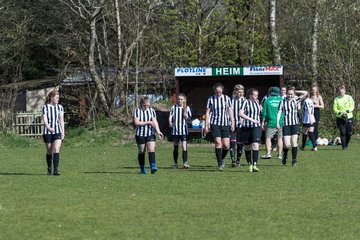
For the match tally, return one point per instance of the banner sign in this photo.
(228, 71)
(268, 70)
(192, 71)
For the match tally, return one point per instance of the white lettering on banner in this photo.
(236, 71)
(227, 71)
(218, 71)
(191, 71)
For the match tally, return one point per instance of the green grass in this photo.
(100, 196)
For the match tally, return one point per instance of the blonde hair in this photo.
(51, 95)
(314, 85)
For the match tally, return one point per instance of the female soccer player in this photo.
(237, 101)
(54, 130)
(146, 126)
(179, 115)
(289, 106)
(308, 121)
(220, 119)
(251, 129)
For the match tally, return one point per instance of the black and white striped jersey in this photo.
(179, 125)
(251, 109)
(53, 113)
(144, 115)
(307, 111)
(236, 104)
(219, 110)
(290, 110)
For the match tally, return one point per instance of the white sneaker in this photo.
(186, 166)
(266, 156)
(314, 149)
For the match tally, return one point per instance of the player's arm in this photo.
(46, 123)
(138, 122)
(243, 115)
(278, 116)
(155, 124)
(207, 120)
(321, 103)
(62, 125)
(302, 94)
(232, 119)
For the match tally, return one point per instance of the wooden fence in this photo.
(28, 124)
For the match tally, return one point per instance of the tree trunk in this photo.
(99, 84)
(314, 43)
(276, 59)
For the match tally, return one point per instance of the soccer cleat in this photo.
(175, 166)
(280, 157)
(283, 160)
(153, 169)
(233, 164)
(221, 167)
(142, 171)
(186, 166)
(49, 171)
(250, 168)
(57, 173)
(255, 168)
(294, 163)
(266, 156)
(314, 149)
(237, 163)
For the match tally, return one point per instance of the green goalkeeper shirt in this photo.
(270, 111)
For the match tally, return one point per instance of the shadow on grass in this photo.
(105, 172)
(21, 174)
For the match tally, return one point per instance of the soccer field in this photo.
(100, 195)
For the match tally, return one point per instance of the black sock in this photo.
(312, 138)
(343, 141)
(176, 154)
(304, 137)
(141, 160)
(56, 159)
(286, 150)
(255, 156)
(185, 156)
(218, 153)
(224, 153)
(294, 152)
(232, 150)
(239, 151)
(348, 137)
(248, 156)
(151, 159)
(48, 160)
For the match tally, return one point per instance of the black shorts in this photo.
(308, 125)
(291, 130)
(182, 138)
(236, 135)
(220, 131)
(144, 140)
(50, 138)
(250, 135)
